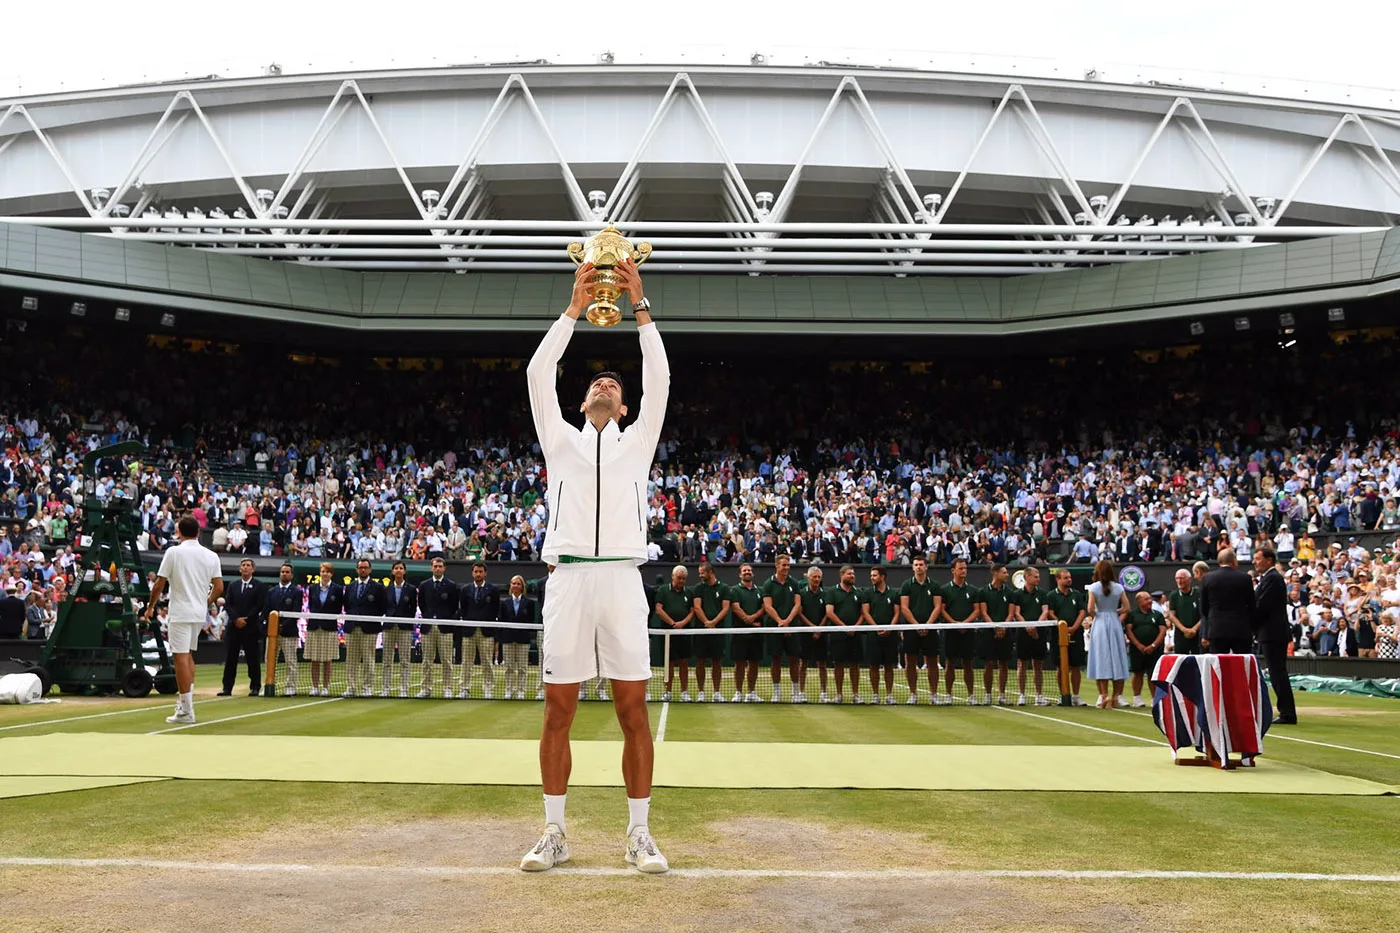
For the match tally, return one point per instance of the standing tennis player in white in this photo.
(193, 574)
(595, 620)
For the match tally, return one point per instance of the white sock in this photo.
(554, 809)
(187, 702)
(637, 810)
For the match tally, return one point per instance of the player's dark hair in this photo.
(188, 527)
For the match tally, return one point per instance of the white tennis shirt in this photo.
(191, 569)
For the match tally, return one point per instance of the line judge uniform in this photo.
(244, 600)
(595, 623)
(515, 642)
(401, 603)
(321, 641)
(478, 603)
(437, 599)
(286, 600)
(362, 598)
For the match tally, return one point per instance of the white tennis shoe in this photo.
(685, 696)
(719, 697)
(182, 716)
(1042, 700)
(551, 850)
(643, 854)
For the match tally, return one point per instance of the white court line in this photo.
(723, 873)
(266, 712)
(119, 712)
(1071, 722)
(1294, 738)
(661, 723)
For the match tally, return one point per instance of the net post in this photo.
(1065, 698)
(270, 665)
(665, 655)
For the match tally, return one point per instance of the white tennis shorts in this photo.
(595, 624)
(182, 636)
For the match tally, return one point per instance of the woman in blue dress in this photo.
(1108, 648)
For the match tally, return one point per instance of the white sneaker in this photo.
(942, 699)
(685, 696)
(384, 692)
(447, 693)
(487, 694)
(582, 693)
(1042, 700)
(912, 701)
(778, 693)
(539, 694)
(971, 700)
(800, 697)
(753, 698)
(1020, 699)
(1120, 701)
(1076, 700)
(700, 697)
(824, 698)
(1137, 702)
(403, 693)
(1002, 701)
(603, 695)
(347, 694)
(551, 850)
(839, 699)
(718, 697)
(738, 698)
(423, 694)
(182, 716)
(465, 693)
(367, 692)
(860, 701)
(289, 692)
(666, 696)
(889, 699)
(643, 854)
(987, 700)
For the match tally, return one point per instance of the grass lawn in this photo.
(412, 829)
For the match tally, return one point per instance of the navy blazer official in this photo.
(526, 611)
(400, 603)
(364, 597)
(1227, 606)
(437, 599)
(479, 602)
(284, 599)
(328, 599)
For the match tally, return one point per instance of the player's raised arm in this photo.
(544, 365)
(656, 369)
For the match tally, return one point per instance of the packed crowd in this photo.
(1111, 455)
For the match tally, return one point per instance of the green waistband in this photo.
(571, 559)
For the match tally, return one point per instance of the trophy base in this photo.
(603, 314)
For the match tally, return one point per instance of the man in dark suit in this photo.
(1273, 631)
(401, 600)
(1227, 605)
(480, 602)
(11, 615)
(438, 598)
(514, 642)
(363, 597)
(322, 646)
(245, 601)
(285, 599)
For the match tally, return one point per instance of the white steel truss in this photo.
(906, 230)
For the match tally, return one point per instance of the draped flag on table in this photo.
(1211, 700)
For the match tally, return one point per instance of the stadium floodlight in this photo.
(606, 58)
(279, 212)
(430, 197)
(29, 303)
(1197, 328)
(1336, 315)
(167, 320)
(1286, 319)
(194, 213)
(1266, 205)
(1082, 219)
(1099, 204)
(264, 197)
(1241, 323)
(100, 197)
(1244, 220)
(758, 58)
(121, 210)
(598, 199)
(79, 309)
(240, 214)
(764, 199)
(123, 314)
(1288, 344)
(150, 213)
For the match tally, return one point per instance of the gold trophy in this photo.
(606, 249)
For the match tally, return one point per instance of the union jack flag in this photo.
(1215, 700)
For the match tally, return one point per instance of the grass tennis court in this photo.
(406, 856)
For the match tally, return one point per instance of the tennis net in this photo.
(982, 663)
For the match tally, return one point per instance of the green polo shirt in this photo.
(845, 605)
(959, 600)
(1146, 625)
(784, 595)
(712, 598)
(883, 605)
(1187, 606)
(921, 597)
(1030, 601)
(814, 605)
(1066, 606)
(676, 603)
(749, 599)
(997, 601)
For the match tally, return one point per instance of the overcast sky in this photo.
(1307, 49)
